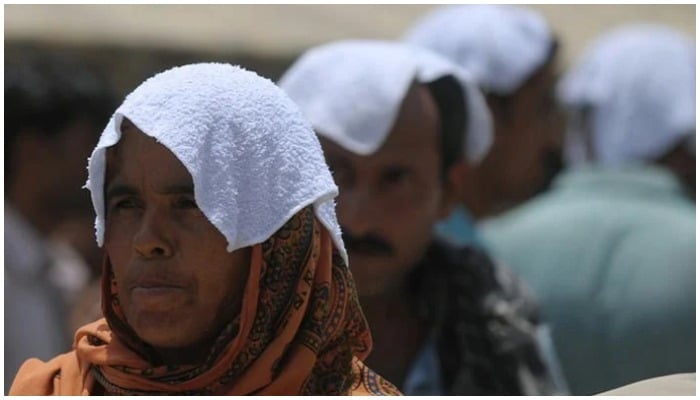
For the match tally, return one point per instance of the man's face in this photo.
(390, 200)
(527, 142)
(177, 284)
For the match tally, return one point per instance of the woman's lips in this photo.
(157, 297)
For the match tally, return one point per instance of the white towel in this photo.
(501, 45)
(639, 82)
(352, 91)
(254, 159)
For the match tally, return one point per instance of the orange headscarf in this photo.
(300, 331)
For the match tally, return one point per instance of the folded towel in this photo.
(667, 385)
(254, 159)
(638, 82)
(352, 91)
(502, 45)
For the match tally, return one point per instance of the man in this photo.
(396, 123)
(53, 108)
(224, 269)
(610, 249)
(513, 56)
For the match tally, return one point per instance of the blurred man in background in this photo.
(54, 108)
(610, 249)
(513, 55)
(397, 124)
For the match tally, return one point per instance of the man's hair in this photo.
(45, 93)
(451, 104)
(505, 102)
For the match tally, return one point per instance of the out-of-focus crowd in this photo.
(544, 245)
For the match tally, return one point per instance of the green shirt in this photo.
(610, 255)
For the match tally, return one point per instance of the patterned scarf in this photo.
(300, 331)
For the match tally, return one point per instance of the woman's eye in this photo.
(186, 203)
(125, 204)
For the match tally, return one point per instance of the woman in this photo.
(224, 269)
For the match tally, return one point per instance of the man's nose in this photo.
(356, 212)
(154, 237)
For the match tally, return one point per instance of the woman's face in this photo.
(177, 284)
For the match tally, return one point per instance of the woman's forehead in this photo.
(139, 156)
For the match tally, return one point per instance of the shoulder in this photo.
(459, 260)
(485, 289)
(481, 270)
(39, 378)
(491, 317)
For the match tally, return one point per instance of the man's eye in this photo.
(395, 175)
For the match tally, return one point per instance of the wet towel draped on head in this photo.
(637, 86)
(352, 91)
(260, 178)
(243, 142)
(501, 45)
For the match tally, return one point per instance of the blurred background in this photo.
(125, 44)
(133, 41)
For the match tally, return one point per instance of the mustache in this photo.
(368, 244)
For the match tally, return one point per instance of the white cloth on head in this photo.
(501, 45)
(254, 160)
(352, 92)
(637, 87)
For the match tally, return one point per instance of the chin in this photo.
(370, 280)
(386, 276)
(370, 290)
(161, 329)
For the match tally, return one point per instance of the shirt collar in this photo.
(641, 180)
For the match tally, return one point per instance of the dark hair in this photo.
(451, 103)
(45, 93)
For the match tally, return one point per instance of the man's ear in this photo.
(501, 107)
(452, 188)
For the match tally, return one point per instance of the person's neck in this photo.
(383, 307)
(396, 331)
(191, 355)
(476, 200)
(180, 356)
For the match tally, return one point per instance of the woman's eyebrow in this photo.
(125, 189)
(180, 188)
(119, 190)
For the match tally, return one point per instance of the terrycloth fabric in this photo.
(638, 83)
(502, 46)
(352, 91)
(300, 331)
(242, 140)
(669, 385)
